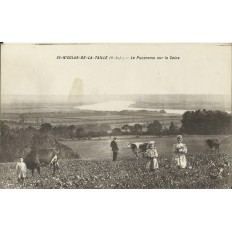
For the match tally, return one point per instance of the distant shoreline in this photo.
(183, 102)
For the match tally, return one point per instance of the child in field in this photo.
(179, 150)
(152, 156)
(21, 170)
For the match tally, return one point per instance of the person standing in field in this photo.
(115, 148)
(179, 151)
(152, 156)
(21, 170)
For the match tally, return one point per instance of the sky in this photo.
(35, 70)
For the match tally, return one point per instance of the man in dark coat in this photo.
(115, 149)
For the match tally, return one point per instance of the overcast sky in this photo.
(34, 69)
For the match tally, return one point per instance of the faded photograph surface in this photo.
(87, 116)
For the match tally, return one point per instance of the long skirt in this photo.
(152, 164)
(180, 160)
(115, 155)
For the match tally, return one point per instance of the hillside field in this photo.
(97, 170)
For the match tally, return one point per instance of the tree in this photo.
(165, 131)
(173, 129)
(206, 122)
(71, 131)
(117, 131)
(154, 128)
(22, 119)
(31, 128)
(127, 128)
(14, 141)
(45, 127)
(137, 129)
(4, 140)
(80, 132)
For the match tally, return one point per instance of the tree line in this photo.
(206, 122)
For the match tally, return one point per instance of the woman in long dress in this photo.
(179, 151)
(152, 156)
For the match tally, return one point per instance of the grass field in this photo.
(100, 148)
(80, 118)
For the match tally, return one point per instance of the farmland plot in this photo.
(127, 173)
(100, 147)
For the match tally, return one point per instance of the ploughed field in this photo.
(204, 172)
(96, 170)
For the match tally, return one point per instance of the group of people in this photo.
(21, 168)
(179, 151)
(179, 159)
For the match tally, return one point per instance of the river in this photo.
(122, 105)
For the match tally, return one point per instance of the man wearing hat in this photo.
(115, 149)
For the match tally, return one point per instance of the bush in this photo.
(206, 122)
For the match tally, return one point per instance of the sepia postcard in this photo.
(115, 116)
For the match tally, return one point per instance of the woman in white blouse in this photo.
(179, 151)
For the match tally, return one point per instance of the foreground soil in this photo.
(204, 171)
